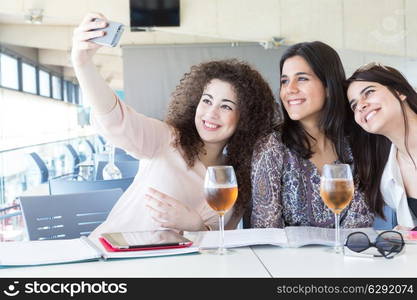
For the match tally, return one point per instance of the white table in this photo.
(318, 261)
(256, 261)
(242, 263)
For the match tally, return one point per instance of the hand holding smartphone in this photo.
(112, 35)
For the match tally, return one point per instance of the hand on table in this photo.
(171, 213)
(402, 228)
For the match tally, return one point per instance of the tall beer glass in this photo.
(336, 190)
(220, 188)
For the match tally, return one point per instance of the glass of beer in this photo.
(220, 189)
(336, 190)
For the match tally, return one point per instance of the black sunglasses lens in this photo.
(357, 242)
(390, 242)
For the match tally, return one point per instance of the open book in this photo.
(65, 251)
(292, 236)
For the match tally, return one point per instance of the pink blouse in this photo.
(161, 167)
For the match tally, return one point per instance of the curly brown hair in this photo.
(258, 116)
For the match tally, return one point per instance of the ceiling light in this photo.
(34, 16)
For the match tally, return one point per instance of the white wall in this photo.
(354, 59)
(152, 73)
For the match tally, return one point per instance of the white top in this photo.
(161, 167)
(393, 191)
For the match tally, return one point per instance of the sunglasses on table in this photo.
(388, 244)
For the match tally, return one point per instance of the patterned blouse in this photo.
(286, 191)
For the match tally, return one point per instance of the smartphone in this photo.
(113, 32)
(146, 240)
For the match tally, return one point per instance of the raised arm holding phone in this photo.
(92, 84)
(217, 104)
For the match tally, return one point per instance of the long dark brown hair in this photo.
(257, 111)
(336, 117)
(371, 151)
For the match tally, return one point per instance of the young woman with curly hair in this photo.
(315, 131)
(217, 112)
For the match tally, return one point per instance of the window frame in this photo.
(13, 56)
(60, 86)
(70, 95)
(36, 77)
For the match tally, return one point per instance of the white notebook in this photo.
(74, 250)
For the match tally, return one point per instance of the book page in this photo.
(243, 237)
(45, 252)
(303, 235)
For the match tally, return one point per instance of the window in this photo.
(29, 78)
(23, 74)
(65, 88)
(56, 88)
(70, 92)
(44, 84)
(80, 97)
(9, 72)
(76, 98)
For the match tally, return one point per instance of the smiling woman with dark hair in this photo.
(287, 164)
(385, 106)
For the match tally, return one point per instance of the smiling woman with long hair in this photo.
(385, 107)
(287, 164)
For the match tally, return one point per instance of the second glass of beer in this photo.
(336, 190)
(220, 188)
